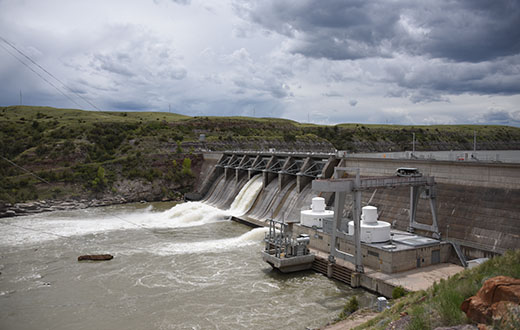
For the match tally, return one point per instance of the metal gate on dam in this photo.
(478, 203)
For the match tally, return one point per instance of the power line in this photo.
(67, 96)
(44, 79)
(31, 173)
(50, 74)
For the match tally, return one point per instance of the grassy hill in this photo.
(439, 306)
(150, 155)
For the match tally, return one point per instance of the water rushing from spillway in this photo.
(180, 267)
(247, 196)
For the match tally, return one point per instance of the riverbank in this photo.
(8, 210)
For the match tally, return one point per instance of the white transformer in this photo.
(372, 230)
(315, 216)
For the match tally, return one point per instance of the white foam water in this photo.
(62, 224)
(247, 196)
(251, 237)
(55, 225)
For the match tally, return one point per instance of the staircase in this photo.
(461, 256)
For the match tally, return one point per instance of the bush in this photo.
(350, 307)
(448, 303)
(100, 182)
(186, 167)
(420, 319)
(398, 292)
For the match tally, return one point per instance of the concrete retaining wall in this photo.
(478, 218)
(498, 175)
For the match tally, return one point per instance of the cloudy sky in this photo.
(327, 62)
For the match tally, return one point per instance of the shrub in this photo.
(448, 303)
(350, 307)
(420, 319)
(398, 292)
(100, 182)
(186, 167)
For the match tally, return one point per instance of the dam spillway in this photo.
(478, 203)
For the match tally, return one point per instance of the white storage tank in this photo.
(315, 216)
(372, 230)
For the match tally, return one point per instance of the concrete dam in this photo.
(477, 209)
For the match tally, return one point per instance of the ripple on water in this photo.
(209, 276)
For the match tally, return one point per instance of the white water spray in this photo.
(247, 196)
(251, 237)
(62, 224)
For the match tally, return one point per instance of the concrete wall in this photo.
(478, 218)
(463, 173)
(378, 259)
(207, 174)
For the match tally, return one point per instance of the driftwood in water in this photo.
(96, 257)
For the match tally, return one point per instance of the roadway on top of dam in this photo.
(470, 156)
(470, 172)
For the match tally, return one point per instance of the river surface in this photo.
(181, 267)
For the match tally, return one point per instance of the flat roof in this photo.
(403, 241)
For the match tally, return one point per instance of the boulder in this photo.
(96, 257)
(493, 300)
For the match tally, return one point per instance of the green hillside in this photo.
(439, 306)
(154, 155)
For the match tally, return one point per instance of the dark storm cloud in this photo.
(429, 79)
(500, 117)
(469, 30)
(421, 50)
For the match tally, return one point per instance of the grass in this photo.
(440, 305)
(350, 307)
(48, 139)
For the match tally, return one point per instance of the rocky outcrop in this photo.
(494, 301)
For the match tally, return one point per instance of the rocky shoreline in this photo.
(19, 209)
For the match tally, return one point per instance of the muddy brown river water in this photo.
(174, 267)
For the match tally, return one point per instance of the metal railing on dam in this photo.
(320, 165)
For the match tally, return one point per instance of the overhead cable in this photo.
(47, 72)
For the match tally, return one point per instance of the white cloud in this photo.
(373, 64)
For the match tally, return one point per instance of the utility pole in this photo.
(413, 145)
(474, 141)
(20, 97)
(169, 108)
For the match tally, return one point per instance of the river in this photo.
(175, 267)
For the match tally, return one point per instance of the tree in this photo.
(186, 167)
(100, 181)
